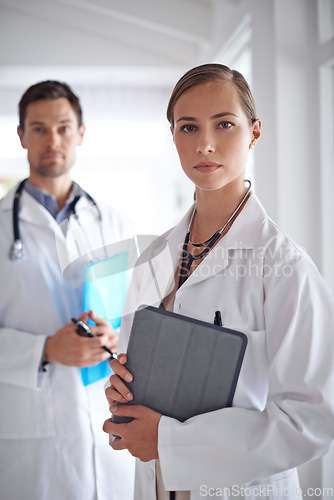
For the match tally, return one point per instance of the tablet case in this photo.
(181, 366)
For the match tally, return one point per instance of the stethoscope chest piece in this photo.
(16, 251)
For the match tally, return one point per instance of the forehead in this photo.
(50, 111)
(208, 99)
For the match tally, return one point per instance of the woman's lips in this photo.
(207, 167)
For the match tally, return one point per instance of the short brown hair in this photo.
(213, 73)
(48, 90)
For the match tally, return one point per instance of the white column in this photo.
(298, 126)
(288, 173)
(264, 90)
(285, 82)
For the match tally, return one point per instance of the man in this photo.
(52, 445)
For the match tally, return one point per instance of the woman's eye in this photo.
(225, 124)
(65, 129)
(188, 128)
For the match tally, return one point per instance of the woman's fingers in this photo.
(113, 395)
(117, 366)
(118, 390)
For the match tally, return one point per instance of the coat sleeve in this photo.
(234, 446)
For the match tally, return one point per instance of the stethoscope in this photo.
(209, 243)
(16, 250)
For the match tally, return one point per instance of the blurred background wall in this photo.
(123, 59)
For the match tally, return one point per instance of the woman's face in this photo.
(212, 134)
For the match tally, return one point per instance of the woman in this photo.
(264, 285)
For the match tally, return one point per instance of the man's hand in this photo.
(69, 348)
(102, 327)
(140, 436)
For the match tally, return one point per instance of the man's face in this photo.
(51, 135)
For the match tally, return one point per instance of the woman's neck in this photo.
(214, 208)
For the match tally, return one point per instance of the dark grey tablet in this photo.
(181, 366)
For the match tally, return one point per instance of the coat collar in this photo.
(242, 235)
(33, 211)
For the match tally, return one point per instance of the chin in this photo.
(207, 187)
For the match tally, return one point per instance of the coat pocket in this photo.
(281, 486)
(26, 413)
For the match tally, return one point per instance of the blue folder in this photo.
(104, 290)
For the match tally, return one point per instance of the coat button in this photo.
(150, 474)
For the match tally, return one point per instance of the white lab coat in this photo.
(52, 445)
(283, 409)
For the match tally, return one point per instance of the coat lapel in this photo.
(242, 236)
(167, 254)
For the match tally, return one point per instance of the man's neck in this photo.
(59, 187)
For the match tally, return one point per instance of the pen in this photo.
(85, 329)
(218, 319)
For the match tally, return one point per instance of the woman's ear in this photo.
(257, 129)
(172, 130)
(256, 132)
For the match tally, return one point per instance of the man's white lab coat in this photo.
(52, 445)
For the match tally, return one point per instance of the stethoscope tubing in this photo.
(16, 207)
(16, 248)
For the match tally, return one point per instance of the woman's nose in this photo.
(205, 145)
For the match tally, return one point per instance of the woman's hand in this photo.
(140, 436)
(118, 391)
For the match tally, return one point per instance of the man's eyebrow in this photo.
(218, 115)
(36, 122)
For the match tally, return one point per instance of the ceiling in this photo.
(74, 35)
